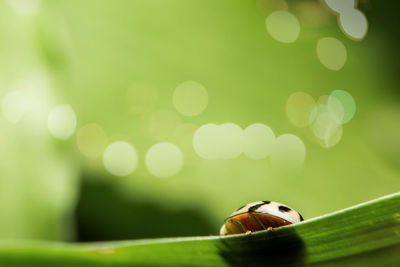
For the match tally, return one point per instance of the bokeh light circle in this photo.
(326, 120)
(335, 109)
(325, 125)
(347, 101)
(13, 106)
(91, 140)
(316, 111)
(283, 26)
(164, 159)
(331, 53)
(288, 154)
(120, 158)
(212, 141)
(298, 108)
(258, 140)
(354, 24)
(340, 6)
(190, 98)
(61, 121)
(206, 141)
(333, 134)
(231, 140)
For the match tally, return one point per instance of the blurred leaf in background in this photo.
(181, 111)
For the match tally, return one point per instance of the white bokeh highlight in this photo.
(335, 109)
(351, 20)
(327, 116)
(206, 141)
(333, 135)
(340, 6)
(283, 26)
(120, 158)
(354, 24)
(347, 102)
(325, 125)
(212, 141)
(331, 53)
(61, 121)
(258, 141)
(231, 140)
(164, 159)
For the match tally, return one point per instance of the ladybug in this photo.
(258, 216)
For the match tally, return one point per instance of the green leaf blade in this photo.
(364, 235)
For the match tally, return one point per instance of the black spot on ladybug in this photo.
(241, 207)
(266, 202)
(301, 217)
(253, 208)
(284, 209)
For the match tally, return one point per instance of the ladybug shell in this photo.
(258, 216)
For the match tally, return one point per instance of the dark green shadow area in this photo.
(103, 213)
(278, 247)
(387, 256)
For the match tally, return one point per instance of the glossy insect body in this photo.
(258, 216)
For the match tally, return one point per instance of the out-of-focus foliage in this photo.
(117, 64)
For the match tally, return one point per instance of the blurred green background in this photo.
(115, 65)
